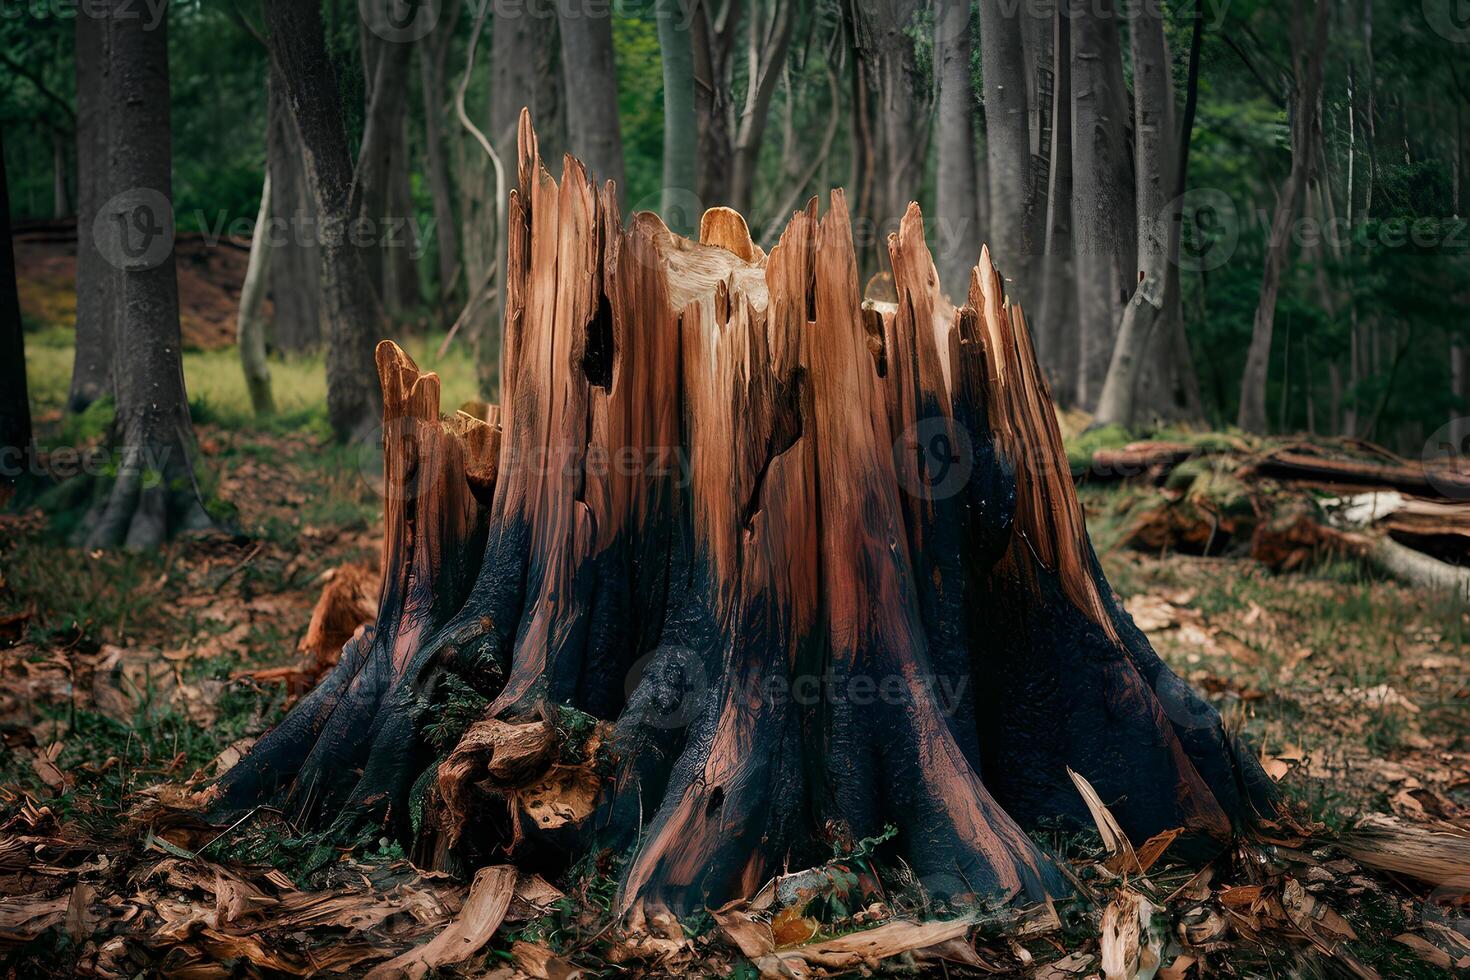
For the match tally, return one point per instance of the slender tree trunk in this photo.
(251, 324)
(525, 71)
(91, 376)
(768, 34)
(154, 494)
(590, 74)
(15, 404)
(296, 255)
(713, 26)
(60, 197)
(1060, 349)
(1141, 384)
(898, 99)
(1015, 225)
(351, 312)
(681, 133)
(1104, 226)
(956, 189)
(432, 57)
(381, 173)
(1306, 105)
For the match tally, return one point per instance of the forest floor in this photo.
(128, 681)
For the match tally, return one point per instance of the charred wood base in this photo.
(743, 566)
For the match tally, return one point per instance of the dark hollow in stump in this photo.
(743, 567)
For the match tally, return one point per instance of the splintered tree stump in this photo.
(743, 568)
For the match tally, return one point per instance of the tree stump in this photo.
(743, 567)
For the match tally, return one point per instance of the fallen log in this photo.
(743, 570)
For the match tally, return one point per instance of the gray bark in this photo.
(1059, 347)
(251, 325)
(154, 494)
(432, 56)
(295, 276)
(1138, 384)
(680, 128)
(895, 109)
(1103, 218)
(1015, 227)
(91, 376)
(1305, 109)
(349, 304)
(956, 189)
(590, 74)
(381, 191)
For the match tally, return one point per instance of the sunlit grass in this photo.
(216, 383)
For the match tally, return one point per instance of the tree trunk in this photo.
(897, 108)
(956, 189)
(1061, 344)
(1014, 226)
(1103, 213)
(15, 403)
(768, 34)
(91, 375)
(251, 325)
(432, 57)
(1306, 106)
(590, 74)
(380, 181)
(837, 573)
(295, 275)
(60, 196)
(681, 133)
(154, 494)
(1138, 386)
(349, 303)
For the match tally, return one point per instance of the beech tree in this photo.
(91, 374)
(1014, 226)
(295, 273)
(890, 125)
(956, 188)
(1150, 377)
(681, 134)
(349, 303)
(1308, 51)
(590, 75)
(154, 494)
(1104, 219)
(826, 629)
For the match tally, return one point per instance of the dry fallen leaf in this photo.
(484, 909)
